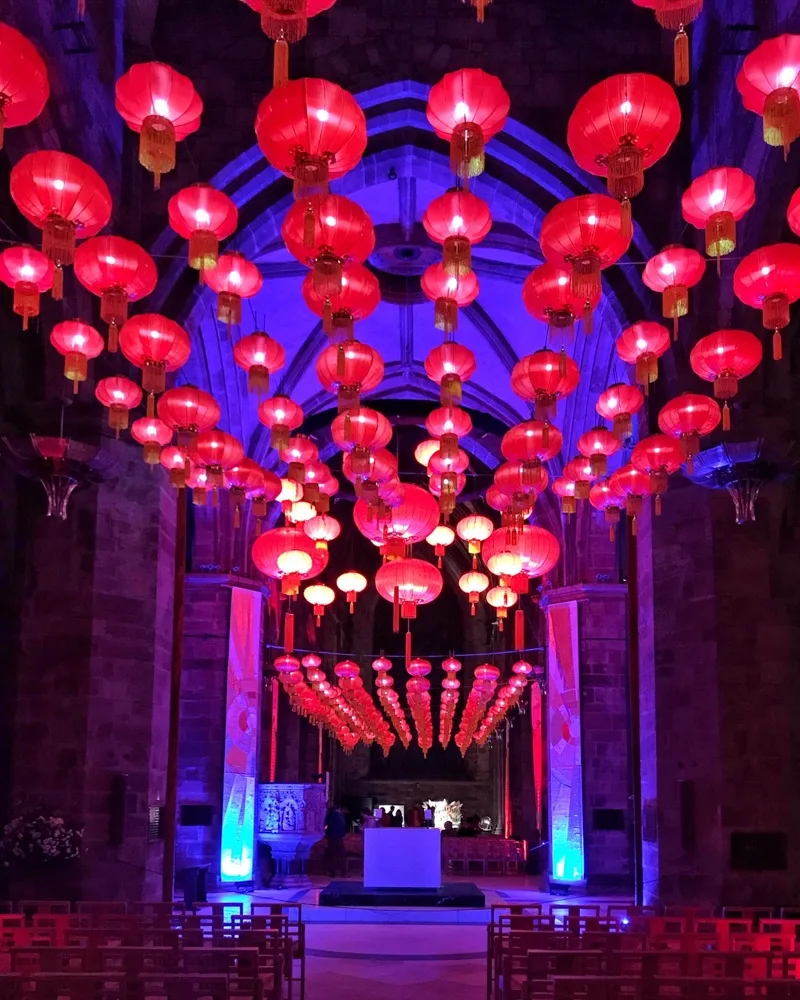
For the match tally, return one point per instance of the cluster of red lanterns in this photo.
(419, 702)
(390, 699)
(314, 697)
(448, 702)
(507, 697)
(480, 694)
(367, 718)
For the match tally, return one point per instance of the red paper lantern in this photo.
(286, 22)
(282, 415)
(163, 107)
(153, 434)
(474, 529)
(271, 545)
(369, 471)
(598, 445)
(347, 370)
(260, 356)
(447, 424)
(120, 395)
(793, 213)
(157, 345)
(438, 465)
(449, 365)
(618, 403)
(634, 485)
(441, 536)
(24, 87)
(313, 131)
(769, 82)
(412, 520)
(501, 599)
(216, 451)
(769, 279)
(351, 585)
(361, 428)
(674, 15)
(202, 215)
(26, 270)
(473, 584)
(408, 583)
(424, 450)
(189, 411)
(580, 472)
(449, 293)
(65, 198)
(537, 548)
(544, 378)
(446, 486)
(322, 529)
(467, 108)
(298, 452)
(233, 279)
(458, 220)
(522, 482)
(659, 456)
(602, 497)
(247, 479)
(78, 342)
(672, 273)
(548, 296)
(359, 297)
(176, 462)
(687, 418)
(585, 235)
(723, 358)
(532, 441)
(642, 345)
(319, 596)
(565, 489)
(620, 127)
(715, 202)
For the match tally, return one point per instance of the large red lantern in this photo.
(467, 108)
(548, 296)
(157, 345)
(286, 22)
(449, 365)
(313, 131)
(153, 435)
(65, 198)
(769, 82)
(27, 271)
(188, 411)
(260, 356)
(674, 15)
(233, 279)
(634, 485)
(687, 418)
(322, 529)
(412, 520)
(620, 127)
(243, 479)
(78, 342)
(458, 220)
(447, 424)
(723, 358)
(118, 271)
(361, 428)
(544, 378)
(281, 415)
(300, 450)
(347, 370)
(532, 441)
(603, 498)
(659, 456)
(202, 215)
(359, 297)
(449, 293)
(618, 403)
(769, 279)
(522, 482)
(672, 273)
(474, 529)
(163, 107)
(408, 583)
(585, 235)
(537, 548)
(217, 452)
(715, 202)
(120, 395)
(598, 445)
(642, 345)
(24, 87)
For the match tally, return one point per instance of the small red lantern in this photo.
(467, 108)
(26, 270)
(598, 445)
(716, 201)
(202, 215)
(769, 279)
(319, 596)
(439, 465)
(531, 442)
(723, 358)
(689, 417)
(157, 345)
(153, 434)
(189, 411)
(351, 585)
(24, 87)
(448, 424)
(449, 365)
(618, 403)
(361, 429)
(474, 529)
(674, 15)
(175, 461)
(544, 378)
(424, 450)
(769, 82)
(369, 470)
(446, 486)
(473, 584)
(65, 198)
(299, 451)
(565, 489)
(242, 480)
(217, 452)
(360, 297)
(163, 107)
(78, 342)
(449, 293)
(348, 370)
(233, 279)
(642, 345)
(672, 273)
(603, 498)
(501, 599)
(441, 536)
(120, 395)
(322, 529)
(547, 295)
(522, 482)
(260, 356)
(458, 220)
(659, 456)
(282, 415)
(634, 485)
(579, 471)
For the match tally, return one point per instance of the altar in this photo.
(397, 858)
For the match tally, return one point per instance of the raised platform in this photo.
(462, 895)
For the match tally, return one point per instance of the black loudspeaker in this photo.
(117, 794)
(688, 813)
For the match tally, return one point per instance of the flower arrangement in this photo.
(35, 839)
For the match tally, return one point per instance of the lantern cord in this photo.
(401, 656)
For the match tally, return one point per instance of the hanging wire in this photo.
(401, 656)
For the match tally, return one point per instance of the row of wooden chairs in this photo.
(101, 986)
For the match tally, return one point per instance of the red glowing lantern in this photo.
(188, 411)
(716, 201)
(153, 434)
(202, 215)
(411, 520)
(248, 479)
(449, 293)
(369, 470)
(602, 497)
(359, 297)
(260, 356)
(282, 415)
(522, 482)
(441, 536)
(313, 131)
(217, 452)
(438, 465)
(531, 442)
(319, 596)
(769, 279)
(278, 554)
(674, 15)
(659, 456)
(618, 403)
(176, 462)
(793, 213)
(449, 365)
(458, 220)
(467, 108)
(620, 127)
(347, 370)
(448, 424)
(544, 377)
(473, 584)
(424, 450)
(769, 82)
(157, 345)
(120, 395)
(24, 87)
(361, 428)
(642, 345)
(474, 529)
(537, 548)
(286, 22)
(408, 583)
(78, 342)
(565, 489)
(501, 599)
(579, 471)
(547, 295)
(298, 452)
(351, 585)
(598, 445)
(25, 269)
(634, 485)
(233, 279)
(689, 417)
(322, 529)
(672, 273)
(65, 198)
(446, 486)
(163, 107)
(723, 358)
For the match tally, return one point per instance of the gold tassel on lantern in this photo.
(782, 118)
(26, 300)
(76, 368)
(467, 154)
(450, 390)
(229, 308)
(586, 276)
(154, 376)
(280, 63)
(646, 370)
(58, 243)
(311, 175)
(258, 380)
(681, 55)
(598, 463)
(408, 647)
(309, 227)
(457, 256)
(776, 317)
(674, 304)
(157, 147)
(327, 275)
(445, 315)
(622, 426)
(720, 235)
(118, 418)
(114, 309)
(480, 6)
(777, 346)
(203, 250)
(152, 452)
(726, 416)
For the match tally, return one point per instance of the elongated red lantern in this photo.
(188, 411)
(281, 415)
(233, 279)
(769, 82)
(348, 370)
(153, 435)
(24, 87)
(598, 445)
(458, 220)
(260, 356)
(157, 345)
(544, 378)
(723, 358)
(659, 456)
(548, 296)
(449, 293)
(672, 273)
(675, 15)
(618, 403)
(120, 395)
(449, 366)
(28, 272)
(769, 279)
(163, 107)
(78, 342)
(689, 417)
(642, 345)
(202, 215)
(715, 202)
(359, 297)
(286, 22)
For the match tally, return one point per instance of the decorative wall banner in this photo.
(537, 749)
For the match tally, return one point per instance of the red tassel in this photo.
(288, 633)
(408, 649)
(726, 417)
(519, 629)
(396, 610)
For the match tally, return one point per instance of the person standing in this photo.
(335, 830)
(397, 818)
(415, 815)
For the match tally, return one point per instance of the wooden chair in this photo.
(289, 918)
(75, 986)
(596, 988)
(178, 986)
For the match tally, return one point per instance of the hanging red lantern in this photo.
(348, 370)
(189, 411)
(157, 345)
(24, 87)
(351, 585)
(449, 365)
(659, 456)
(548, 296)
(234, 278)
(449, 293)
(260, 356)
(118, 271)
(243, 480)
(263, 493)
(153, 434)
(26, 270)
(501, 599)
(448, 424)
(474, 529)
(579, 471)
(521, 482)
(78, 342)
(286, 22)
(175, 461)
(715, 202)
(271, 545)
(458, 220)
(446, 486)
(769, 279)
(642, 345)
(793, 213)
(602, 497)
(408, 583)
(281, 415)
(298, 452)
(63, 197)
(544, 378)
(361, 429)
(473, 584)
(319, 596)
(441, 536)
(424, 450)
(769, 82)
(197, 481)
(439, 465)
(368, 472)
(634, 485)
(619, 128)
(313, 131)
(585, 235)
(531, 442)
(598, 445)
(618, 403)
(120, 395)
(163, 107)
(689, 417)
(411, 520)
(359, 297)
(723, 358)
(675, 15)
(672, 273)
(216, 451)
(537, 548)
(202, 215)
(467, 108)
(322, 529)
